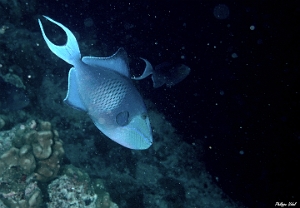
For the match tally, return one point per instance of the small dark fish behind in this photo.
(165, 73)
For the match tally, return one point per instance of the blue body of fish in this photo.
(102, 87)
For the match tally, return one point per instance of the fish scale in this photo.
(109, 95)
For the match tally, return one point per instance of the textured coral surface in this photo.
(31, 159)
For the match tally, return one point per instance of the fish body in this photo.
(165, 73)
(101, 86)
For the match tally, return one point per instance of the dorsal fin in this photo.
(117, 62)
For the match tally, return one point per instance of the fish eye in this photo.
(122, 118)
(144, 116)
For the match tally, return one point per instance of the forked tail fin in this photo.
(68, 52)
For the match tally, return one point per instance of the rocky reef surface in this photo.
(32, 174)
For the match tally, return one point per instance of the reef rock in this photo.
(74, 188)
(29, 153)
(32, 147)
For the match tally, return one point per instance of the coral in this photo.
(48, 169)
(35, 147)
(72, 189)
(26, 160)
(103, 200)
(32, 152)
(29, 152)
(10, 158)
(75, 189)
(63, 192)
(16, 191)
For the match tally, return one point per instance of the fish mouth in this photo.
(137, 139)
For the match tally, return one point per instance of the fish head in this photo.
(129, 129)
(136, 134)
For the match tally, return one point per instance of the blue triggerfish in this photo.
(101, 86)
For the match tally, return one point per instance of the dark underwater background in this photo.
(237, 113)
